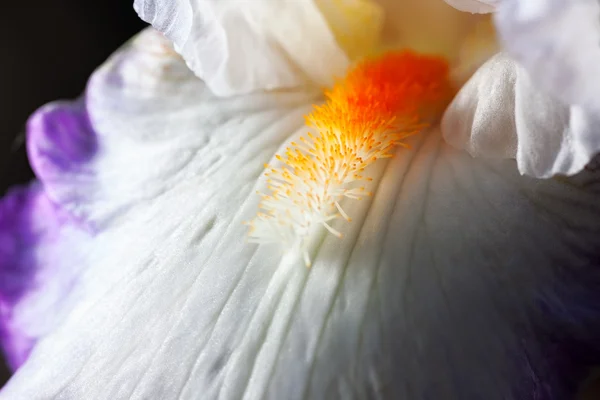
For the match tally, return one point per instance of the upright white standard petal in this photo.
(557, 43)
(500, 113)
(445, 286)
(240, 46)
(474, 6)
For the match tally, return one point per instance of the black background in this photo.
(48, 49)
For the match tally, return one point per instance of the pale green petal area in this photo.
(241, 46)
(501, 113)
(474, 6)
(443, 264)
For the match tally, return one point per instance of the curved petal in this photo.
(456, 270)
(557, 43)
(33, 276)
(34, 273)
(61, 144)
(95, 162)
(474, 6)
(501, 113)
(155, 120)
(239, 47)
(453, 258)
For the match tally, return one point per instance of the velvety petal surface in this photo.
(501, 113)
(242, 46)
(458, 279)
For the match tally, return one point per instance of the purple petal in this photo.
(61, 143)
(37, 221)
(30, 227)
(44, 228)
(60, 139)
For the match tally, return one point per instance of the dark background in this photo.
(48, 49)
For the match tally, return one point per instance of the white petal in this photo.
(95, 162)
(441, 267)
(557, 42)
(243, 46)
(474, 6)
(146, 92)
(499, 113)
(438, 281)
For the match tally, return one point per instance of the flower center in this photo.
(366, 116)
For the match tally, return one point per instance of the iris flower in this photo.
(468, 269)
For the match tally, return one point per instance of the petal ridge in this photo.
(500, 113)
(241, 47)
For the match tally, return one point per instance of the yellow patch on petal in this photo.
(356, 24)
(427, 26)
(367, 115)
(478, 46)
